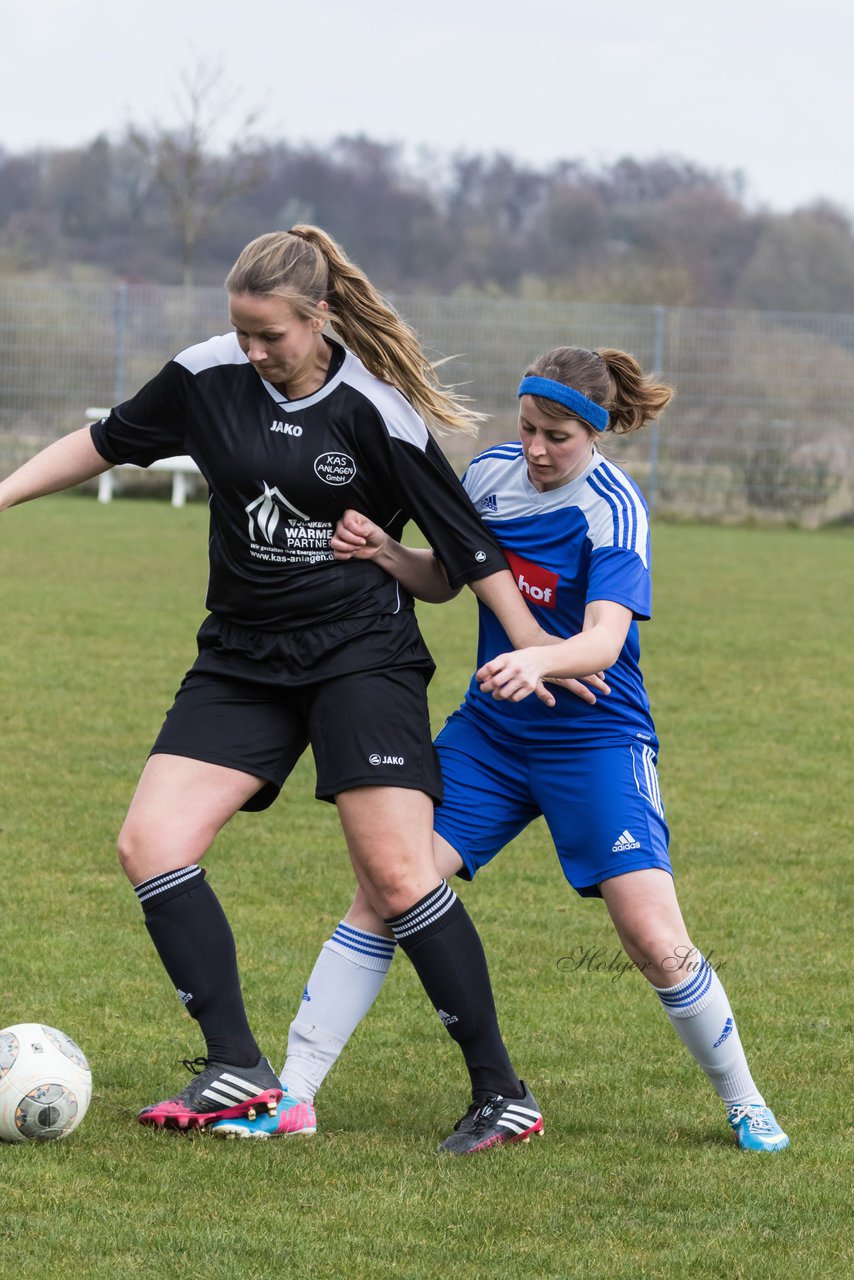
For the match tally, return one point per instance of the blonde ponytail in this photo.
(306, 266)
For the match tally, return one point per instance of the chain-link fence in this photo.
(762, 425)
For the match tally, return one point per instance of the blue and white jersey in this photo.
(587, 540)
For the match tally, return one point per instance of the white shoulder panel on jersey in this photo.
(507, 449)
(223, 349)
(615, 512)
(401, 420)
(498, 485)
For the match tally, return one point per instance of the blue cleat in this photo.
(291, 1117)
(755, 1129)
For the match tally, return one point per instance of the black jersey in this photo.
(281, 472)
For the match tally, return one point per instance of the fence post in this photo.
(658, 367)
(120, 323)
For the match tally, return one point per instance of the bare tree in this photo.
(197, 180)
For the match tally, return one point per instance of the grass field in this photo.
(750, 668)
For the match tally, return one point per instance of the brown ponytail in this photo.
(613, 379)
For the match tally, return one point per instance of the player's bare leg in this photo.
(646, 915)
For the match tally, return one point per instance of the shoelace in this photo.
(469, 1115)
(757, 1118)
(483, 1114)
(196, 1065)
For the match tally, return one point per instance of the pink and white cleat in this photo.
(218, 1092)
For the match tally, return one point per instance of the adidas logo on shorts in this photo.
(625, 843)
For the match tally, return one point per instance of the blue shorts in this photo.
(601, 804)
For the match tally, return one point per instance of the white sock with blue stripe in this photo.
(702, 1018)
(344, 983)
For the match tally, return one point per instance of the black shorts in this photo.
(365, 728)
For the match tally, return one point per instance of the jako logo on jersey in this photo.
(377, 759)
(264, 513)
(537, 584)
(335, 468)
(287, 428)
(729, 1027)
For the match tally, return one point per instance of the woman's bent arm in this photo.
(415, 568)
(61, 465)
(514, 675)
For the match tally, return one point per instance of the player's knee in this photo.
(662, 956)
(145, 851)
(389, 894)
(133, 852)
(392, 890)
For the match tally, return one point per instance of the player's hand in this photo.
(357, 538)
(513, 676)
(580, 687)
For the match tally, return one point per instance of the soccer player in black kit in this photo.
(290, 428)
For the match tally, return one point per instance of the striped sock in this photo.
(425, 917)
(196, 948)
(702, 1018)
(346, 979)
(369, 950)
(159, 889)
(443, 945)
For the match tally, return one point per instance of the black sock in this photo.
(438, 936)
(195, 944)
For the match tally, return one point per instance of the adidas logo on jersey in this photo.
(287, 428)
(489, 503)
(625, 843)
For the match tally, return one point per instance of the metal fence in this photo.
(762, 426)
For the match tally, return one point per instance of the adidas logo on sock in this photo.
(448, 1018)
(625, 843)
(727, 1031)
(184, 996)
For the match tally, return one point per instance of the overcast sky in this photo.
(760, 86)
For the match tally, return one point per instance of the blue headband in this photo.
(588, 410)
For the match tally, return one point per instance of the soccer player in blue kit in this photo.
(290, 428)
(575, 531)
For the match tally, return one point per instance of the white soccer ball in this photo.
(45, 1083)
